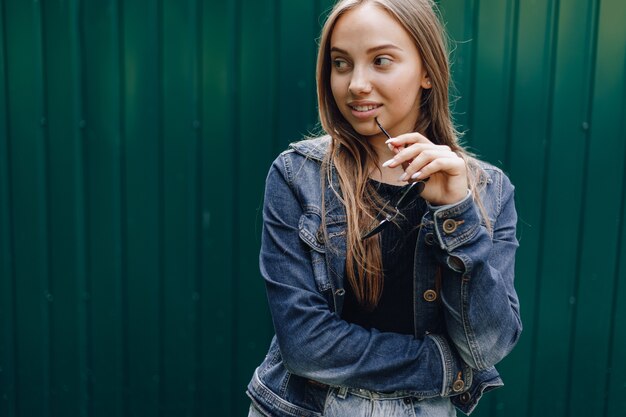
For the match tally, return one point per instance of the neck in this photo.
(383, 153)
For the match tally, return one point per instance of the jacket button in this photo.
(458, 385)
(465, 398)
(407, 400)
(449, 226)
(429, 238)
(430, 295)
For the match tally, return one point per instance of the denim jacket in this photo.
(466, 310)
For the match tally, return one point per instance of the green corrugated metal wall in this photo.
(134, 142)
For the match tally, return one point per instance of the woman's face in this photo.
(376, 71)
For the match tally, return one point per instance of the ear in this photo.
(426, 84)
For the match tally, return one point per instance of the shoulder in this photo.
(300, 164)
(495, 188)
(490, 176)
(306, 154)
(312, 148)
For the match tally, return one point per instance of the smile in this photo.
(367, 107)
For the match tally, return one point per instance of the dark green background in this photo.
(134, 141)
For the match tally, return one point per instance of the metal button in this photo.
(458, 385)
(429, 238)
(430, 295)
(465, 397)
(407, 400)
(449, 226)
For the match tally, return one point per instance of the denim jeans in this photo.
(254, 412)
(345, 402)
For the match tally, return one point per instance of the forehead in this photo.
(369, 25)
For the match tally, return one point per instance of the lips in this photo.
(364, 110)
(363, 107)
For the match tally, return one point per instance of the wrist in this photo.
(451, 199)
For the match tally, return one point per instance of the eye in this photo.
(382, 61)
(340, 64)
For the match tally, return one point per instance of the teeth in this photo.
(365, 108)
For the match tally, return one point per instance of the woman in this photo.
(387, 250)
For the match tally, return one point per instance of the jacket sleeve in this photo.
(481, 305)
(314, 341)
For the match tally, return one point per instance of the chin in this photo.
(365, 128)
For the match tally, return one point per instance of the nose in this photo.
(359, 82)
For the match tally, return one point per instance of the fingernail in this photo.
(403, 177)
(416, 175)
(389, 162)
(389, 141)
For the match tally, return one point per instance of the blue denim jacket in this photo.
(466, 308)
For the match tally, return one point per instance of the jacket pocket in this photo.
(311, 231)
(312, 236)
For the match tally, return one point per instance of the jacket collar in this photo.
(315, 149)
(312, 148)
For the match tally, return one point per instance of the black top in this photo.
(394, 312)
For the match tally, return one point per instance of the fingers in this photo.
(396, 145)
(431, 161)
(408, 154)
(421, 160)
(395, 150)
(408, 139)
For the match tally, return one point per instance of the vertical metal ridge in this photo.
(12, 349)
(551, 48)
(197, 298)
(161, 208)
(472, 68)
(317, 15)
(591, 46)
(123, 208)
(84, 210)
(275, 97)
(44, 211)
(454, 93)
(117, 280)
(318, 23)
(513, 17)
(236, 131)
(620, 264)
(81, 271)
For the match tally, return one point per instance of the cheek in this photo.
(408, 91)
(407, 97)
(336, 87)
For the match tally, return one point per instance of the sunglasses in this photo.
(402, 198)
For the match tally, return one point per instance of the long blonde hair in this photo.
(352, 157)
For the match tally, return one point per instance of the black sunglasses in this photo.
(403, 197)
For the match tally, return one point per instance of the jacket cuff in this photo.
(467, 401)
(455, 224)
(457, 376)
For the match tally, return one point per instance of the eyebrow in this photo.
(370, 50)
